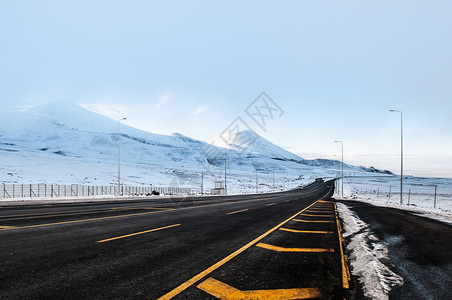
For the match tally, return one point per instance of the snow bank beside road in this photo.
(366, 256)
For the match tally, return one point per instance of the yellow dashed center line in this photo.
(6, 227)
(137, 233)
(238, 211)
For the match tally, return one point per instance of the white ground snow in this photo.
(417, 190)
(366, 257)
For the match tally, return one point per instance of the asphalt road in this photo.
(282, 245)
(419, 248)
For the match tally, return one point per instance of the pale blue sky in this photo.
(334, 67)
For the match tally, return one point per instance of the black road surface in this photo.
(281, 246)
(420, 250)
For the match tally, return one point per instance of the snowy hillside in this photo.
(250, 142)
(61, 142)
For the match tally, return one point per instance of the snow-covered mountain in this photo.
(250, 142)
(61, 142)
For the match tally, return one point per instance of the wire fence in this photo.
(11, 191)
(425, 196)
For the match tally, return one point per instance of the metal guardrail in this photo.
(10, 191)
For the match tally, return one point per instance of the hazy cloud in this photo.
(202, 109)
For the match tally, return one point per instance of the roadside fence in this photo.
(426, 196)
(10, 191)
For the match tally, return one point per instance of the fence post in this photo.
(409, 197)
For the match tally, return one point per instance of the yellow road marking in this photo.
(309, 215)
(215, 266)
(6, 227)
(304, 231)
(270, 204)
(345, 270)
(65, 212)
(223, 291)
(323, 201)
(312, 221)
(136, 214)
(85, 220)
(281, 249)
(137, 233)
(238, 211)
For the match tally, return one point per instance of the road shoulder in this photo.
(418, 250)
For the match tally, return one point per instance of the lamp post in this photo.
(401, 153)
(119, 159)
(342, 167)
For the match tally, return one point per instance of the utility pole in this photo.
(119, 159)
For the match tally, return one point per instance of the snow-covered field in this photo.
(418, 194)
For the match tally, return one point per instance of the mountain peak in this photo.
(250, 141)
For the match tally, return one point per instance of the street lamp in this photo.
(119, 159)
(401, 153)
(342, 167)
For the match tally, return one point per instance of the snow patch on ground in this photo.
(418, 198)
(367, 254)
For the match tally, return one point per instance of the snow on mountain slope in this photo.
(250, 142)
(61, 142)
